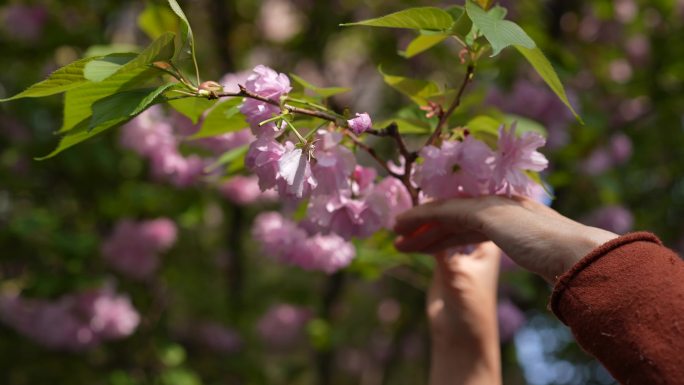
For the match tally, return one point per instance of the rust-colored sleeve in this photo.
(624, 302)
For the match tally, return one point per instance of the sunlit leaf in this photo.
(223, 118)
(156, 19)
(325, 92)
(108, 49)
(544, 68)
(500, 33)
(191, 107)
(418, 90)
(428, 18)
(125, 104)
(64, 79)
(102, 68)
(422, 43)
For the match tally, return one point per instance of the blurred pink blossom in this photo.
(244, 190)
(24, 22)
(133, 247)
(287, 242)
(73, 322)
(511, 319)
(217, 337)
(615, 218)
(283, 324)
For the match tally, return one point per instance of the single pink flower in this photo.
(514, 156)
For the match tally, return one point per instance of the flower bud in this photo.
(360, 124)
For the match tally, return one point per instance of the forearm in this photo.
(474, 361)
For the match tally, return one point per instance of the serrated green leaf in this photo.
(408, 126)
(223, 118)
(418, 90)
(125, 104)
(462, 24)
(187, 37)
(155, 20)
(63, 79)
(428, 18)
(109, 49)
(421, 44)
(78, 101)
(500, 33)
(325, 92)
(102, 68)
(109, 112)
(544, 68)
(191, 107)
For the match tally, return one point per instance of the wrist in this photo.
(579, 245)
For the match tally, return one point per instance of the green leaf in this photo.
(192, 107)
(325, 92)
(500, 33)
(485, 128)
(223, 118)
(78, 101)
(108, 49)
(544, 68)
(102, 68)
(125, 104)
(63, 79)
(429, 18)
(524, 124)
(155, 20)
(110, 112)
(418, 90)
(408, 126)
(462, 24)
(187, 36)
(421, 44)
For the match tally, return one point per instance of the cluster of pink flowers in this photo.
(133, 248)
(73, 322)
(158, 136)
(283, 324)
(344, 199)
(153, 137)
(470, 168)
(291, 243)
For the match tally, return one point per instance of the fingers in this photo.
(410, 221)
(422, 238)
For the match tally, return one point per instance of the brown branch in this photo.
(371, 151)
(245, 93)
(445, 115)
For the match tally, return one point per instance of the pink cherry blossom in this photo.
(514, 156)
(133, 247)
(294, 169)
(263, 159)
(267, 83)
(456, 169)
(73, 322)
(334, 163)
(360, 124)
(283, 324)
(244, 190)
(289, 243)
(389, 199)
(217, 337)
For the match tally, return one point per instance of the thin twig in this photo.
(444, 116)
(298, 110)
(371, 152)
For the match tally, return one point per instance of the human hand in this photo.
(536, 237)
(461, 310)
